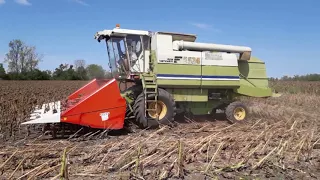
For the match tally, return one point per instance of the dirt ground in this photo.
(281, 140)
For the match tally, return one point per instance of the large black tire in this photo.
(146, 122)
(232, 115)
(135, 91)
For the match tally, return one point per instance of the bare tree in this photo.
(79, 63)
(21, 58)
(13, 56)
(79, 66)
(32, 58)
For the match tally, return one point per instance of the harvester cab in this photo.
(170, 74)
(127, 51)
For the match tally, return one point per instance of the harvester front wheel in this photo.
(236, 112)
(166, 110)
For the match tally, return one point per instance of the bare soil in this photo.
(281, 140)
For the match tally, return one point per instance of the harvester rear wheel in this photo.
(236, 112)
(166, 110)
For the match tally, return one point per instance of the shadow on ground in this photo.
(86, 133)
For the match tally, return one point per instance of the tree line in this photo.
(22, 61)
(307, 77)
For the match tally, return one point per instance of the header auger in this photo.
(171, 74)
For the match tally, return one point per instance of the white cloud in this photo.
(201, 25)
(204, 26)
(81, 2)
(2, 2)
(23, 2)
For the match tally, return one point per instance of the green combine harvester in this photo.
(169, 73)
(173, 74)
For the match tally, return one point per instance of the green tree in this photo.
(60, 72)
(66, 72)
(307, 77)
(95, 71)
(38, 75)
(2, 72)
(72, 74)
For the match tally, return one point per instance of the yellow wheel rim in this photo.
(239, 113)
(161, 110)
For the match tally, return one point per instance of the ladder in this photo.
(150, 88)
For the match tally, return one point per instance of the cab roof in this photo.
(123, 32)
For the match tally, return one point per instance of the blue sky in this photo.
(285, 34)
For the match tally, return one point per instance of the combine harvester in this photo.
(172, 74)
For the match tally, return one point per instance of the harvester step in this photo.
(151, 109)
(149, 79)
(151, 86)
(150, 90)
(149, 82)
